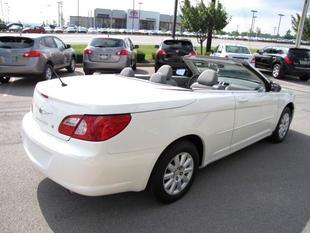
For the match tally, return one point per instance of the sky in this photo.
(37, 11)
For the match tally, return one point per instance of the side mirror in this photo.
(68, 46)
(156, 46)
(275, 87)
(136, 46)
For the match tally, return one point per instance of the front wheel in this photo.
(174, 172)
(277, 71)
(283, 126)
(4, 80)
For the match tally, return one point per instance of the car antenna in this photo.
(57, 76)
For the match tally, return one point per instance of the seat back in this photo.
(158, 78)
(127, 72)
(167, 72)
(206, 79)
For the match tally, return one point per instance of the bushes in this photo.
(140, 56)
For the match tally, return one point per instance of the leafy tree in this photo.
(295, 24)
(288, 35)
(202, 20)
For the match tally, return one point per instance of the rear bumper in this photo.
(85, 167)
(122, 63)
(34, 68)
(297, 71)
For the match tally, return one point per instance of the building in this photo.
(132, 19)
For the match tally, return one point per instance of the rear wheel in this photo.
(88, 72)
(48, 72)
(134, 67)
(4, 79)
(283, 126)
(174, 172)
(277, 71)
(304, 78)
(71, 67)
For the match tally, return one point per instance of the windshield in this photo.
(107, 43)
(15, 42)
(237, 49)
(177, 44)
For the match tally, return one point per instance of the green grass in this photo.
(148, 50)
(78, 48)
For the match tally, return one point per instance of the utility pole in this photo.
(133, 15)
(301, 23)
(78, 12)
(140, 3)
(253, 20)
(280, 15)
(58, 6)
(175, 18)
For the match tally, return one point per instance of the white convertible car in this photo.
(113, 133)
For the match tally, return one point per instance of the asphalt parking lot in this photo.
(263, 188)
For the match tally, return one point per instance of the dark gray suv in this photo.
(23, 56)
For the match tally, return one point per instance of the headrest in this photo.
(208, 77)
(158, 78)
(127, 72)
(166, 70)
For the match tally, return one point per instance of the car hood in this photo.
(114, 94)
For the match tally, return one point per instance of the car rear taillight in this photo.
(122, 52)
(192, 53)
(88, 51)
(161, 52)
(287, 60)
(32, 53)
(93, 127)
(253, 61)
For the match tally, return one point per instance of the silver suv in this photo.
(109, 54)
(34, 55)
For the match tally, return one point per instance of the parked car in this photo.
(3, 27)
(82, 30)
(235, 51)
(92, 30)
(109, 54)
(110, 133)
(34, 29)
(71, 30)
(284, 60)
(48, 29)
(39, 55)
(15, 27)
(58, 30)
(171, 51)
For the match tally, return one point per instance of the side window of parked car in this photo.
(59, 43)
(48, 42)
(219, 50)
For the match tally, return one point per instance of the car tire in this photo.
(304, 78)
(4, 80)
(88, 72)
(48, 73)
(71, 67)
(277, 71)
(134, 67)
(174, 172)
(283, 126)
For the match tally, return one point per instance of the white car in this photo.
(92, 30)
(110, 133)
(235, 51)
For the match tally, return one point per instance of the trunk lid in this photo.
(12, 50)
(101, 95)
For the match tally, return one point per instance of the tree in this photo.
(288, 35)
(202, 20)
(295, 24)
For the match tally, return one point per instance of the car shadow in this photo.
(25, 86)
(262, 188)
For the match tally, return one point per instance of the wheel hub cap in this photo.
(284, 125)
(178, 173)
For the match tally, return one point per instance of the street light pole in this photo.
(253, 18)
(133, 15)
(140, 3)
(78, 11)
(280, 15)
(175, 18)
(301, 23)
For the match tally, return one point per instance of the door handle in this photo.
(242, 100)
